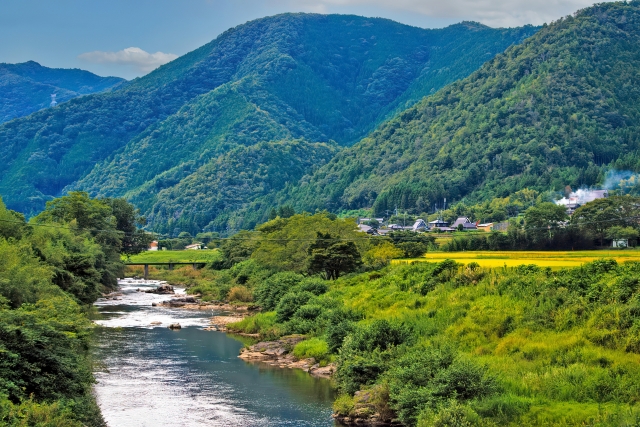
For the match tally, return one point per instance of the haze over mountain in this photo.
(27, 87)
(275, 85)
(556, 110)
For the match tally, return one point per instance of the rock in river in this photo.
(175, 326)
(162, 290)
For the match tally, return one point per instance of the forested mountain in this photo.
(553, 111)
(282, 83)
(27, 87)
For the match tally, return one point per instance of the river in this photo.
(150, 376)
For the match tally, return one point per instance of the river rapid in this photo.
(150, 376)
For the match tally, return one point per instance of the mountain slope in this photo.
(27, 87)
(553, 111)
(290, 77)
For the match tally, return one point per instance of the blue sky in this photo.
(97, 35)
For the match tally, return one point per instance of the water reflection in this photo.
(153, 376)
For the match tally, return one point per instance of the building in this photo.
(364, 228)
(465, 223)
(194, 247)
(488, 227)
(620, 243)
(438, 223)
(153, 246)
(419, 225)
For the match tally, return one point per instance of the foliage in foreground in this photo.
(441, 344)
(50, 270)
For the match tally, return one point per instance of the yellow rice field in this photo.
(514, 258)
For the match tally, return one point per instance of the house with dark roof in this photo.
(465, 223)
(419, 225)
(438, 223)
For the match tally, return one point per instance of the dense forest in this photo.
(51, 269)
(27, 87)
(557, 110)
(290, 77)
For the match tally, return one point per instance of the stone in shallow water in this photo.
(175, 326)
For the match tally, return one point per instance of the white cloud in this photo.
(133, 56)
(495, 13)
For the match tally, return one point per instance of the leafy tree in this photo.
(286, 211)
(332, 257)
(543, 222)
(596, 218)
(380, 255)
(129, 222)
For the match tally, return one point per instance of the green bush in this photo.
(314, 347)
(427, 377)
(314, 285)
(261, 323)
(270, 291)
(290, 303)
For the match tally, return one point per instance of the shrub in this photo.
(262, 323)
(427, 377)
(344, 405)
(290, 303)
(271, 290)
(314, 285)
(314, 347)
(336, 334)
(240, 294)
(449, 414)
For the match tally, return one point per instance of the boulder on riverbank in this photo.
(179, 302)
(164, 289)
(370, 408)
(280, 353)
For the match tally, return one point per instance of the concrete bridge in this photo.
(146, 265)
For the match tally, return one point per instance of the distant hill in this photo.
(27, 87)
(556, 110)
(283, 83)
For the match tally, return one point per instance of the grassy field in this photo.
(492, 259)
(175, 256)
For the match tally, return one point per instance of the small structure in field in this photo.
(488, 227)
(620, 243)
(153, 246)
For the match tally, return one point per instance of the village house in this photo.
(153, 246)
(464, 223)
(419, 225)
(194, 247)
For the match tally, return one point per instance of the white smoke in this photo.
(622, 182)
(582, 196)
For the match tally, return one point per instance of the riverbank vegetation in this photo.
(51, 269)
(441, 343)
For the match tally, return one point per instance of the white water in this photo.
(155, 377)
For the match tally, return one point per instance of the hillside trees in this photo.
(547, 113)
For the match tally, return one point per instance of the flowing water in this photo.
(151, 376)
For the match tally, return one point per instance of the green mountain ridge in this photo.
(559, 109)
(27, 87)
(300, 80)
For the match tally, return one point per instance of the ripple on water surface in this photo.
(152, 376)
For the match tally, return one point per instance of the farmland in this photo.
(200, 256)
(491, 259)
